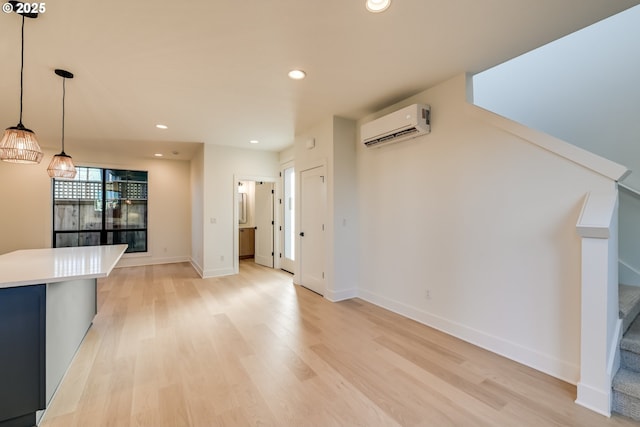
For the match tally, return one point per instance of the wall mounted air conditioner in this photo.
(408, 122)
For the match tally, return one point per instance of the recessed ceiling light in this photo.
(297, 74)
(158, 154)
(254, 141)
(162, 126)
(376, 6)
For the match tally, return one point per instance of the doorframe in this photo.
(280, 210)
(276, 221)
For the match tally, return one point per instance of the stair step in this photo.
(629, 304)
(631, 339)
(630, 360)
(626, 393)
(626, 382)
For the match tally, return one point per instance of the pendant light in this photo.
(61, 165)
(19, 144)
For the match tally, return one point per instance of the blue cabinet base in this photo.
(22, 354)
(23, 421)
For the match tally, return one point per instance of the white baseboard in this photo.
(335, 296)
(599, 398)
(207, 274)
(596, 400)
(196, 267)
(218, 272)
(529, 357)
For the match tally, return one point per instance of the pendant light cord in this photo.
(21, 71)
(64, 81)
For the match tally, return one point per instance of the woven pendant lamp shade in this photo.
(61, 166)
(19, 145)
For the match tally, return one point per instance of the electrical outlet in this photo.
(221, 257)
(427, 294)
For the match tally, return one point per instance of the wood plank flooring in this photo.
(170, 349)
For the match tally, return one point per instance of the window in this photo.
(101, 207)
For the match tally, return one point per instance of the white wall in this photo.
(197, 210)
(25, 218)
(221, 165)
(287, 155)
(25, 212)
(334, 148)
(345, 210)
(484, 221)
(582, 88)
(308, 157)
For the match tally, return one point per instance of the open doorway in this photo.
(255, 231)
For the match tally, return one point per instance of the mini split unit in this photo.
(406, 123)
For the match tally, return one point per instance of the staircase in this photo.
(626, 383)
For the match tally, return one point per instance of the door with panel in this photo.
(313, 200)
(264, 224)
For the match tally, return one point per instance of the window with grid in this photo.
(101, 207)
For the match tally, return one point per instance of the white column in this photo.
(600, 326)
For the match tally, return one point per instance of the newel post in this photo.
(600, 324)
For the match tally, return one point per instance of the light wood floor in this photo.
(170, 349)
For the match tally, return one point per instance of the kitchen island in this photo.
(47, 304)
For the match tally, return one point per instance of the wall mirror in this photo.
(242, 208)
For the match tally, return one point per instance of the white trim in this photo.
(614, 349)
(335, 296)
(218, 272)
(593, 399)
(596, 399)
(137, 254)
(596, 215)
(197, 267)
(542, 362)
(631, 190)
(284, 166)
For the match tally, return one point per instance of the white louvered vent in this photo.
(406, 123)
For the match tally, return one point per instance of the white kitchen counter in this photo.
(39, 266)
(48, 299)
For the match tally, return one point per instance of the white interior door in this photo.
(288, 220)
(313, 200)
(264, 224)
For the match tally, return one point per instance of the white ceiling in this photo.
(215, 71)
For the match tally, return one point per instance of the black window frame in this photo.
(107, 196)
